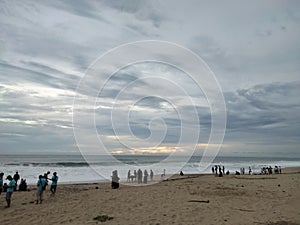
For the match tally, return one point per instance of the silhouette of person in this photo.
(115, 180)
(213, 170)
(23, 185)
(140, 176)
(145, 176)
(46, 175)
(54, 180)
(45, 180)
(10, 189)
(135, 174)
(151, 175)
(181, 173)
(128, 176)
(220, 170)
(1, 182)
(16, 179)
(280, 169)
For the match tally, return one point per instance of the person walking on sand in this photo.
(10, 189)
(54, 180)
(40, 189)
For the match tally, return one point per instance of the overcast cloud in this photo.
(253, 48)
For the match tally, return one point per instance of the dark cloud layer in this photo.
(46, 47)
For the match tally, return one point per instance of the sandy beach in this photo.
(189, 199)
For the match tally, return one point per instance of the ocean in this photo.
(75, 169)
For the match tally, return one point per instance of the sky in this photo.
(48, 47)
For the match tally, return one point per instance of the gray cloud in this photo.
(45, 48)
(265, 112)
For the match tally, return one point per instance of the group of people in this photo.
(242, 171)
(219, 170)
(139, 176)
(42, 184)
(9, 187)
(264, 170)
(12, 185)
(16, 177)
(269, 170)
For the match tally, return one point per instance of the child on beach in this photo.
(10, 189)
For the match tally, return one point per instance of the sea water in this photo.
(75, 169)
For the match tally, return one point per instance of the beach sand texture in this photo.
(248, 199)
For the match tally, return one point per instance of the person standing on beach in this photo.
(54, 180)
(128, 176)
(140, 176)
(280, 169)
(10, 189)
(1, 182)
(39, 190)
(115, 180)
(46, 176)
(145, 176)
(45, 180)
(134, 173)
(151, 175)
(16, 178)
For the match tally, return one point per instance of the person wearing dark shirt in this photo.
(23, 185)
(16, 179)
(1, 182)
